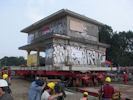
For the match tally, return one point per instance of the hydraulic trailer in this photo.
(75, 76)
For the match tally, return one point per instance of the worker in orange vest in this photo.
(85, 94)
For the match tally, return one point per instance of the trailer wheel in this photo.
(80, 82)
(25, 76)
(69, 82)
(74, 82)
(13, 73)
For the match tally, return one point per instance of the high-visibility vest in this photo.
(117, 95)
(84, 98)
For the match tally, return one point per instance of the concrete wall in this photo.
(77, 55)
(49, 56)
(67, 26)
(82, 29)
(58, 26)
(64, 51)
(61, 51)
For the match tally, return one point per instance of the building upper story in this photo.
(64, 22)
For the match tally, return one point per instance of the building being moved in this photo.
(68, 39)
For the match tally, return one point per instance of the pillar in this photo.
(38, 55)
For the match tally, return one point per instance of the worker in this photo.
(85, 95)
(36, 89)
(4, 95)
(46, 95)
(5, 77)
(107, 90)
(125, 77)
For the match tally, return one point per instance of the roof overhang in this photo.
(57, 15)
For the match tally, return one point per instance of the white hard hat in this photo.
(3, 83)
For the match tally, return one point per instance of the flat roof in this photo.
(56, 15)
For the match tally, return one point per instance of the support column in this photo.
(28, 52)
(28, 63)
(38, 56)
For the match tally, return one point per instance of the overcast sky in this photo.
(18, 14)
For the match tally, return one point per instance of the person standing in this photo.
(3, 90)
(5, 77)
(36, 89)
(107, 90)
(85, 95)
(125, 77)
(46, 95)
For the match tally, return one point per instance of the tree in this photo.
(105, 35)
(121, 45)
(12, 61)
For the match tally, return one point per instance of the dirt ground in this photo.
(20, 91)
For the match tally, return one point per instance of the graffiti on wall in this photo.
(58, 27)
(49, 53)
(77, 55)
(45, 30)
(55, 27)
(59, 57)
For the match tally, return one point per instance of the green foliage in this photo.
(17, 61)
(12, 61)
(121, 45)
(105, 34)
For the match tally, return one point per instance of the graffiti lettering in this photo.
(77, 55)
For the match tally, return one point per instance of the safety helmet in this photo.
(108, 79)
(5, 76)
(85, 93)
(3, 83)
(51, 85)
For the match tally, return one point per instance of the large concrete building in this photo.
(68, 39)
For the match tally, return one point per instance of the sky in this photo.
(15, 15)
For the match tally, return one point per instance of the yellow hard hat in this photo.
(5, 76)
(108, 79)
(85, 93)
(51, 85)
